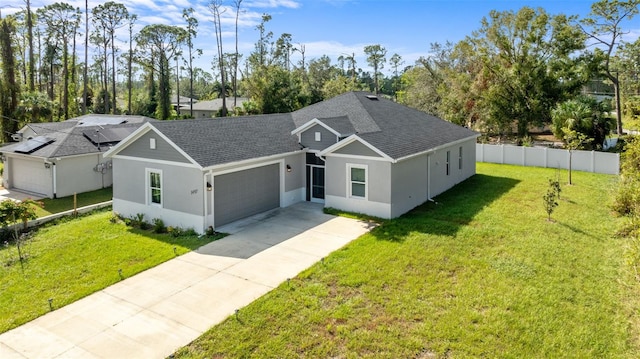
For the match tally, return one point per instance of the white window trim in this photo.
(152, 143)
(147, 185)
(366, 180)
(318, 136)
(447, 163)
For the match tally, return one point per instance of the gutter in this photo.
(431, 150)
(250, 160)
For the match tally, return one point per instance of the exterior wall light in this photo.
(209, 187)
(288, 168)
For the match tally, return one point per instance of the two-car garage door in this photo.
(245, 193)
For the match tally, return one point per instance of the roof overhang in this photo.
(431, 150)
(351, 139)
(312, 123)
(251, 160)
(354, 138)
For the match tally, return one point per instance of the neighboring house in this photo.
(355, 152)
(181, 103)
(57, 159)
(209, 109)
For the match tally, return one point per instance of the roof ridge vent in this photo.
(372, 97)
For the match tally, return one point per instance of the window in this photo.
(460, 157)
(318, 136)
(152, 143)
(448, 164)
(357, 181)
(154, 186)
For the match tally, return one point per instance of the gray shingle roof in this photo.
(183, 100)
(340, 124)
(343, 105)
(405, 131)
(215, 105)
(395, 129)
(216, 141)
(68, 136)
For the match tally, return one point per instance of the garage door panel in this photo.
(245, 193)
(30, 176)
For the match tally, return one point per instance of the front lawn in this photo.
(480, 274)
(75, 258)
(62, 204)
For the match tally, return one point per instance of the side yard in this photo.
(480, 274)
(75, 258)
(58, 205)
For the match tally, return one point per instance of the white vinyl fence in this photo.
(587, 161)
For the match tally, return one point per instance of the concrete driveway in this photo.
(17, 195)
(152, 314)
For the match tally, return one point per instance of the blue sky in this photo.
(335, 27)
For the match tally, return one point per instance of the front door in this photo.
(317, 184)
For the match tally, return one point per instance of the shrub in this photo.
(210, 231)
(138, 221)
(551, 198)
(175, 231)
(115, 217)
(627, 198)
(158, 226)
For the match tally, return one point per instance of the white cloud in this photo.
(631, 36)
(149, 20)
(291, 4)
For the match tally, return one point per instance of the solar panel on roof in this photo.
(97, 120)
(33, 144)
(108, 135)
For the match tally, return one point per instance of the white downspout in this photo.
(429, 181)
(208, 196)
(429, 178)
(55, 180)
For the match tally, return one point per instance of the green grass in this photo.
(631, 124)
(62, 204)
(480, 274)
(75, 258)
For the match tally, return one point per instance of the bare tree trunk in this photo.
(215, 8)
(132, 19)
(235, 66)
(177, 87)
(114, 106)
(86, 57)
(65, 74)
(616, 90)
(32, 84)
(105, 80)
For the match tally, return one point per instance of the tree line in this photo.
(520, 70)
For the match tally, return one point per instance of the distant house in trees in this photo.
(208, 109)
(180, 103)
